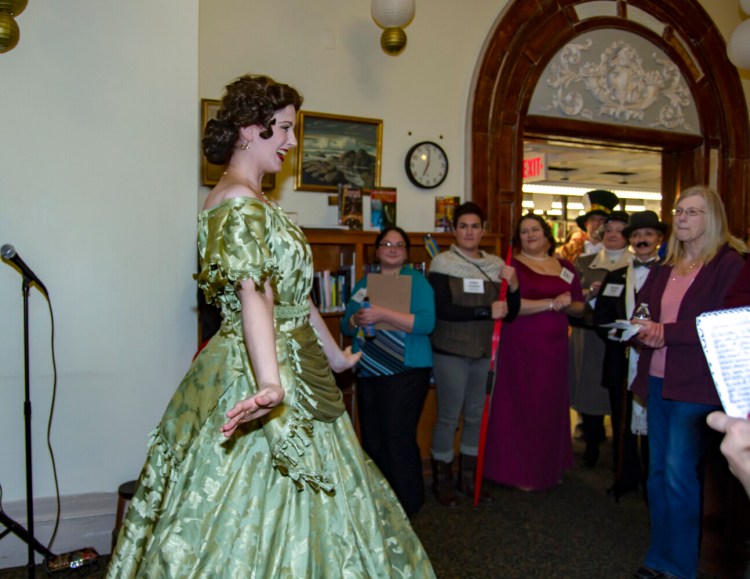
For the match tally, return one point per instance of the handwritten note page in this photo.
(725, 337)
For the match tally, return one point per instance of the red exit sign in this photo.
(534, 168)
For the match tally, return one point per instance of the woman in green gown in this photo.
(255, 469)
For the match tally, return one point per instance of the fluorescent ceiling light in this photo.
(579, 191)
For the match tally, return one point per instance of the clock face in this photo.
(426, 165)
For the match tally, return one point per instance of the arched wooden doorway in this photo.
(528, 34)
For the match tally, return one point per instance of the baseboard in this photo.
(85, 521)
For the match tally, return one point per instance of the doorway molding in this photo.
(529, 33)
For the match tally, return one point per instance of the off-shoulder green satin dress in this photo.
(290, 495)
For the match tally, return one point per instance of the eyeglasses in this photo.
(400, 244)
(690, 211)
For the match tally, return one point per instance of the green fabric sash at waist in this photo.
(287, 312)
(317, 390)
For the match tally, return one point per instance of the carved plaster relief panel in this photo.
(614, 76)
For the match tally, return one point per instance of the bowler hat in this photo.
(644, 219)
(597, 202)
(618, 216)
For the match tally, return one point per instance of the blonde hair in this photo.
(717, 228)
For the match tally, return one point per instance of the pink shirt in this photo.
(671, 299)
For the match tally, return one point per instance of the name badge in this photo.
(474, 286)
(566, 275)
(613, 290)
(360, 295)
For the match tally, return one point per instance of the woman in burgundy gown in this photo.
(528, 438)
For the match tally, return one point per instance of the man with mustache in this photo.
(616, 301)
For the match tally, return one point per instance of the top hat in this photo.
(618, 216)
(597, 202)
(644, 219)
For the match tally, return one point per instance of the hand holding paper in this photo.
(628, 330)
(650, 333)
(736, 444)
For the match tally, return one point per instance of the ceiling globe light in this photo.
(393, 41)
(9, 33)
(739, 46)
(392, 13)
(393, 16)
(13, 7)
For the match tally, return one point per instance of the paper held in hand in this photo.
(628, 330)
(725, 337)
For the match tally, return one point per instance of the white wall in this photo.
(330, 50)
(98, 130)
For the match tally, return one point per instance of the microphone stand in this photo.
(26, 535)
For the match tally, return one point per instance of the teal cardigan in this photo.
(418, 352)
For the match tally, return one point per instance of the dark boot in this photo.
(442, 483)
(467, 475)
(593, 435)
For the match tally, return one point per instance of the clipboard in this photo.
(389, 291)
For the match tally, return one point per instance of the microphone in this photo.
(9, 252)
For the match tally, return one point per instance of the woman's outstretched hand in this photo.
(254, 407)
(344, 359)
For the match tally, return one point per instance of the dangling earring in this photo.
(245, 145)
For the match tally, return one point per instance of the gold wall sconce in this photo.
(9, 31)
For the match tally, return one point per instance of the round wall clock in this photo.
(426, 165)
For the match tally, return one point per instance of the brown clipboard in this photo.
(389, 291)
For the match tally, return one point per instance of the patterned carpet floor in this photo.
(575, 530)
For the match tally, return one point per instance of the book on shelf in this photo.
(382, 207)
(331, 290)
(444, 209)
(350, 206)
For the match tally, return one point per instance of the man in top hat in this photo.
(598, 204)
(587, 396)
(616, 300)
(587, 238)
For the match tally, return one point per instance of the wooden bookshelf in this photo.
(334, 248)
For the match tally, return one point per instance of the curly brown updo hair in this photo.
(249, 100)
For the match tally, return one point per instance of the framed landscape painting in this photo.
(336, 149)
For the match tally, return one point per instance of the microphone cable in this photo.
(49, 437)
(49, 428)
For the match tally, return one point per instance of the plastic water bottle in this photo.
(642, 312)
(369, 329)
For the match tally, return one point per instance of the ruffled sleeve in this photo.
(232, 239)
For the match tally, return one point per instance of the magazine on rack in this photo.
(382, 208)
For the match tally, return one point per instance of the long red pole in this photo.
(488, 393)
